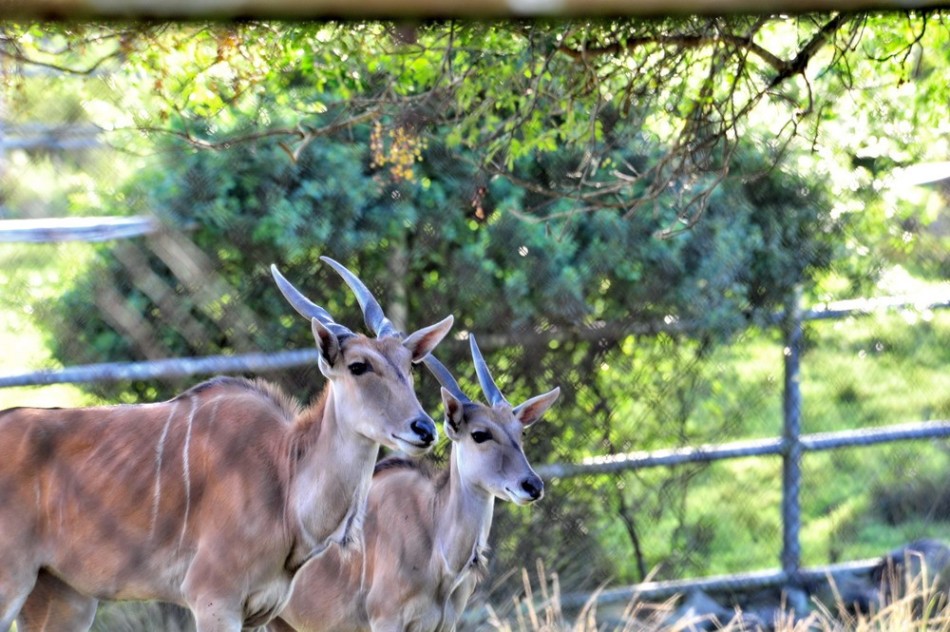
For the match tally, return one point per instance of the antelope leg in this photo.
(54, 606)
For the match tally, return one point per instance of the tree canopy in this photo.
(684, 91)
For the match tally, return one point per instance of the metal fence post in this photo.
(791, 437)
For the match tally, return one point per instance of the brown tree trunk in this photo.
(397, 302)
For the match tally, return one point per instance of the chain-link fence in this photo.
(681, 445)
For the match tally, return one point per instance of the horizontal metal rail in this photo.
(60, 229)
(935, 429)
(118, 371)
(611, 464)
(866, 306)
(817, 442)
(157, 369)
(756, 580)
(50, 138)
(850, 308)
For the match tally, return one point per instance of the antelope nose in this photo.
(424, 429)
(533, 487)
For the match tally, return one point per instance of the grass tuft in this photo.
(913, 604)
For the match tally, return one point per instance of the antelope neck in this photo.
(463, 519)
(330, 484)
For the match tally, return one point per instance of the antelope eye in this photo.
(481, 436)
(359, 368)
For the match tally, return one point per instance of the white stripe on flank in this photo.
(159, 449)
(214, 411)
(186, 473)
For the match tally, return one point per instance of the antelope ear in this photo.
(454, 414)
(328, 345)
(421, 342)
(533, 409)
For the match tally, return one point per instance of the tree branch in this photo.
(681, 41)
(91, 69)
(784, 68)
(804, 56)
(303, 133)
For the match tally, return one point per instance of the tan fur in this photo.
(425, 537)
(212, 500)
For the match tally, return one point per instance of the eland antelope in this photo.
(425, 534)
(213, 499)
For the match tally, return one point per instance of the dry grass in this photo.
(541, 611)
(915, 604)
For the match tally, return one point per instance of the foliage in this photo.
(246, 208)
(496, 93)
